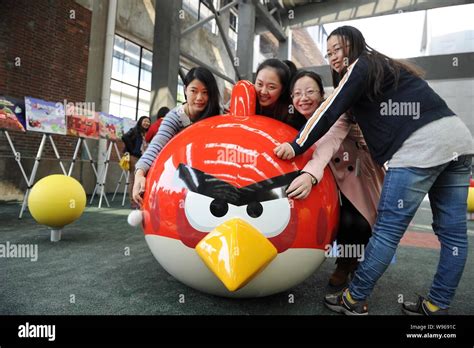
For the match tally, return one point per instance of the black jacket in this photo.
(130, 140)
(386, 123)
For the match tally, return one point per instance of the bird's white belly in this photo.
(287, 270)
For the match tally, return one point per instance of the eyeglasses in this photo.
(333, 53)
(330, 54)
(310, 93)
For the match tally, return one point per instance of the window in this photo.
(201, 9)
(192, 7)
(180, 99)
(233, 25)
(437, 31)
(234, 21)
(130, 85)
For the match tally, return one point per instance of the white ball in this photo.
(135, 218)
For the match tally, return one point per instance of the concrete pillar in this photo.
(95, 66)
(246, 38)
(166, 42)
(95, 73)
(106, 76)
(284, 47)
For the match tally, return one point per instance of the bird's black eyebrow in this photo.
(208, 185)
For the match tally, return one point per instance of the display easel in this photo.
(31, 180)
(17, 159)
(126, 174)
(102, 176)
(15, 154)
(125, 189)
(83, 142)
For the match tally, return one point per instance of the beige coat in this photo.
(358, 177)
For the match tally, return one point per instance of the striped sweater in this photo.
(386, 123)
(172, 124)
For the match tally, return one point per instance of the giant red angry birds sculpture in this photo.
(215, 212)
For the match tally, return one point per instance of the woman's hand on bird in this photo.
(300, 187)
(139, 187)
(284, 151)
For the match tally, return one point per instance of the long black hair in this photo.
(138, 126)
(379, 63)
(292, 67)
(283, 109)
(284, 74)
(206, 77)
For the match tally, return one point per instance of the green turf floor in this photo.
(87, 272)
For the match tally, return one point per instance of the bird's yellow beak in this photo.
(236, 252)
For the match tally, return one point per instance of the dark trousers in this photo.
(353, 227)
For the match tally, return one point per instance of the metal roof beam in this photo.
(269, 22)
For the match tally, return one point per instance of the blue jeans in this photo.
(402, 193)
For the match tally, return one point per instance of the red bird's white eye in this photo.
(203, 212)
(274, 216)
(206, 213)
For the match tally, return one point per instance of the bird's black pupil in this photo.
(254, 209)
(219, 208)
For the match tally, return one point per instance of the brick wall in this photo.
(50, 41)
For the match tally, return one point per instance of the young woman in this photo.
(357, 176)
(272, 85)
(202, 100)
(135, 144)
(406, 123)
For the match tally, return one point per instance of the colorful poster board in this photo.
(12, 114)
(82, 123)
(43, 116)
(111, 127)
(128, 124)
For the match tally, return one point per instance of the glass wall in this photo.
(130, 85)
(444, 30)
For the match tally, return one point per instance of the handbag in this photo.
(124, 162)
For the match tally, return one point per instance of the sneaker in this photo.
(421, 307)
(340, 303)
